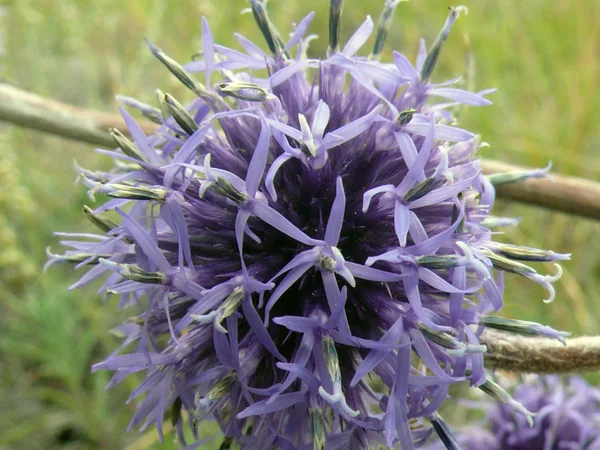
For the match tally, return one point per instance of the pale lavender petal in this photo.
(299, 31)
(336, 216)
(320, 120)
(259, 329)
(358, 39)
(391, 336)
(259, 160)
(148, 246)
(263, 407)
(401, 222)
(273, 169)
(208, 49)
(351, 130)
(404, 66)
(458, 95)
(368, 273)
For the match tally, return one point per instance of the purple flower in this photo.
(567, 416)
(302, 228)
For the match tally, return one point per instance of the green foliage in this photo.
(542, 55)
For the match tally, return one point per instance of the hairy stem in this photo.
(540, 355)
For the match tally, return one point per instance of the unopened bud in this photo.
(335, 12)
(438, 262)
(104, 224)
(405, 116)
(383, 26)
(499, 222)
(227, 308)
(217, 392)
(423, 188)
(125, 144)
(177, 69)
(180, 115)
(495, 391)
(135, 273)
(125, 191)
(266, 27)
(455, 347)
(499, 179)
(522, 327)
(75, 258)
(317, 429)
(438, 44)
(243, 90)
(443, 431)
(526, 253)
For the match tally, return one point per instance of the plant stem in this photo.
(540, 355)
(570, 195)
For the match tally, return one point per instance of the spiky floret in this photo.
(567, 415)
(289, 238)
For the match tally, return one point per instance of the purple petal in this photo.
(391, 336)
(299, 31)
(208, 49)
(280, 223)
(143, 239)
(351, 130)
(401, 222)
(270, 177)
(320, 120)
(404, 66)
(283, 401)
(458, 95)
(368, 273)
(336, 216)
(259, 160)
(259, 329)
(139, 137)
(358, 39)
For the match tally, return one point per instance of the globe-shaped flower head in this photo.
(303, 228)
(567, 417)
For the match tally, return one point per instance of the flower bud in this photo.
(438, 44)
(118, 190)
(125, 144)
(105, 225)
(522, 327)
(180, 115)
(135, 273)
(335, 12)
(243, 90)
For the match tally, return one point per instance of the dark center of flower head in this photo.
(297, 237)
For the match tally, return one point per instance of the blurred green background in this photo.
(542, 55)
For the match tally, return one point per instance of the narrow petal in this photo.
(208, 47)
(368, 273)
(391, 336)
(401, 222)
(358, 39)
(257, 165)
(351, 130)
(299, 31)
(263, 407)
(270, 177)
(259, 330)
(336, 216)
(143, 239)
(320, 120)
(458, 95)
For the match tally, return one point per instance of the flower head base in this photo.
(288, 239)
